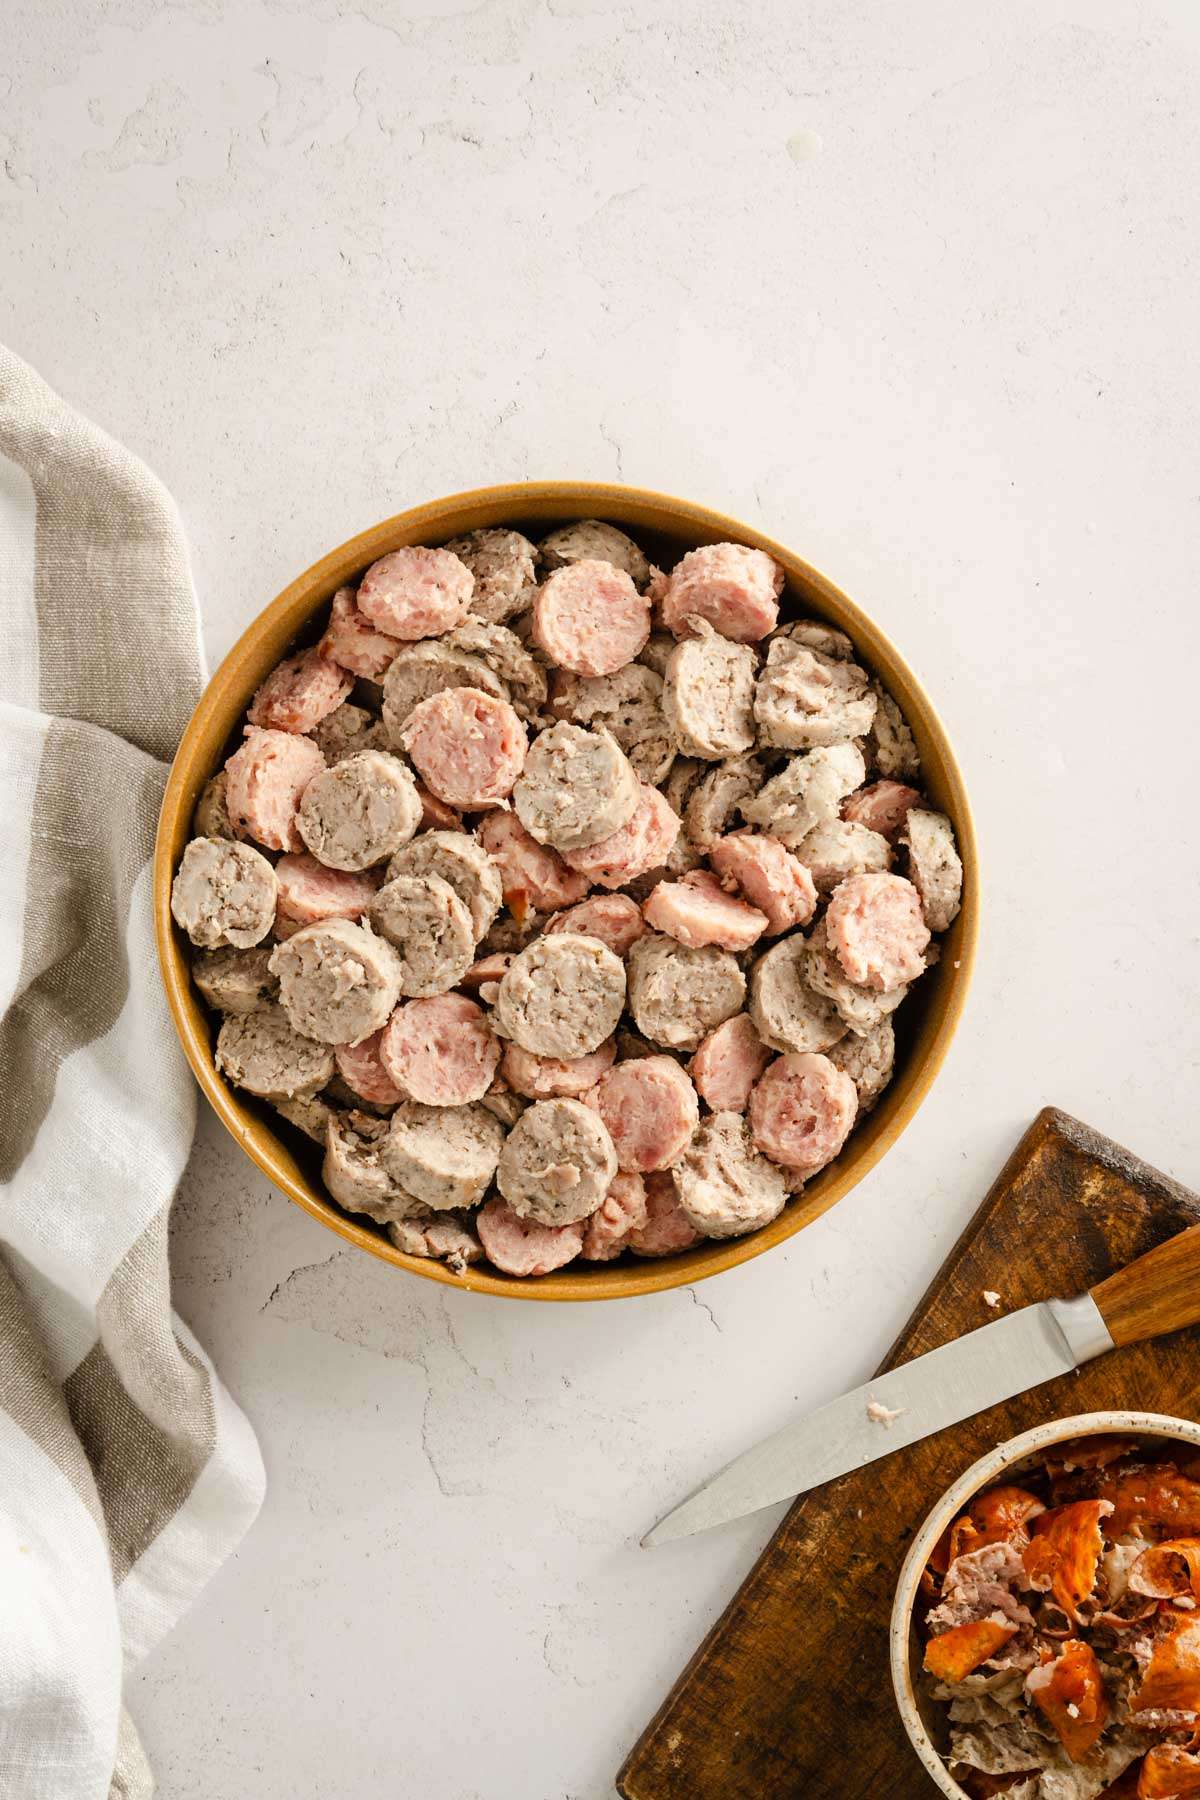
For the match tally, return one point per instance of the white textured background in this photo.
(915, 288)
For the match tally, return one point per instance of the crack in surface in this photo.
(705, 1307)
(300, 1269)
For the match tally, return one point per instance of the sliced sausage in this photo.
(708, 695)
(362, 1069)
(463, 863)
(807, 792)
(868, 1061)
(264, 781)
(222, 892)
(629, 705)
(309, 892)
(613, 918)
(503, 1104)
(557, 1163)
(354, 1171)
(533, 877)
(502, 563)
(211, 817)
(440, 1051)
(444, 1155)
(622, 1211)
(521, 676)
(235, 981)
(728, 1063)
(667, 1228)
(787, 1011)
(422, 670)
(837, 848)
(861, 1008)
(359, 812)
(769, 877)
(351, 641)
(735, 588)
(591, 540)
(562, 996)
(416, 593)
(552, 1078)
(725, 1187)
(435, 814)
(875, 927)
(804, 699)
(890, 743)
(299, 692)
(430, 929)
(445, 1237)
(643, 844)
(882, 807)
(467, 746)
(338, 982)
(348, 729)
(487, 974)
(715, 801)
(697, 910)
(521, 1246)
(801, 1112)
(934, 865)
(650, 1108)
(262, 1052)
(815, 634)
(312, 1117)
(589, 617)
(659, 646)
(677, 996)
(576, 789)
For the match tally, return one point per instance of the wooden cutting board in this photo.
(789, 1697)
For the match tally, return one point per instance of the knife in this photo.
(1160, 1292)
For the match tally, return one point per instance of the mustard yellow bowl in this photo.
(666, 527)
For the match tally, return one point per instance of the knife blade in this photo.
(963, 1377)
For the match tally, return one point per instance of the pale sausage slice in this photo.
(534, 877)
(461, 861)
(728, 1063)
(868, 1061)
(348, 729)
(264, 781)
(222, 894)
(352, 642)
(522, 677)
(299, 692)
(211, 817)
(359, 812)
(622, 1211)
(708, 695)
(667, 1228)
(416, 593)
(732, 586)
(804, 699)
(837, 848)
(629, 705)
(503, 564)
(643, 844)
(613, 918)
(589, 617)
(861, 1008)
(697, 911)
(725, 1187)
(262, 1052)
(787, 1011)
(676, 995)
(235, 981)
(431, 667)
(338, 982)
(593, 540)
(714, 801)
(467, 746)
(552, 1078)
(577, 787)
(355, 1173)
(882, 807)
(650, 1109)
(447, 1237)
(561, 996)
(361, 1068)
(440, 1051)
(309, 892)
(423, 918)
(521, 1246)
(807, 792)
(935, 866)
(891, 745)
(557, 1163)
(801, 1112)
(875, 927)
(769, 876)
(445, 1156)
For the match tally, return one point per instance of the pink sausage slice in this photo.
(309, 892)
(802, 1110)
(521, 1247)
(667, 1228)
(639, 846)
(552, 1077)
(622, 1211)
(299, 692)
(735, 588)
(876, 928)
(882, 807)
(588, 617)
(696, 911)
(360, 1067)
(650, 1108)
(264, 781)
(534, 877)
(440, 1051)
(414, 593)
(613, 918)
(467, 746)
(728, 1063)
(353, 643)
(769, 876)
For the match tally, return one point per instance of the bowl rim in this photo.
(951, 1503)
(440, 518)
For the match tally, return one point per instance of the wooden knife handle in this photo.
(1160, 1292)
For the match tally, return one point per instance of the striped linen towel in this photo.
(127, 1474)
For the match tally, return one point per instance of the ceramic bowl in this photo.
(666, 527)
(921, 1720)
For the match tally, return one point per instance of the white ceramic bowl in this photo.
(906, 1651)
